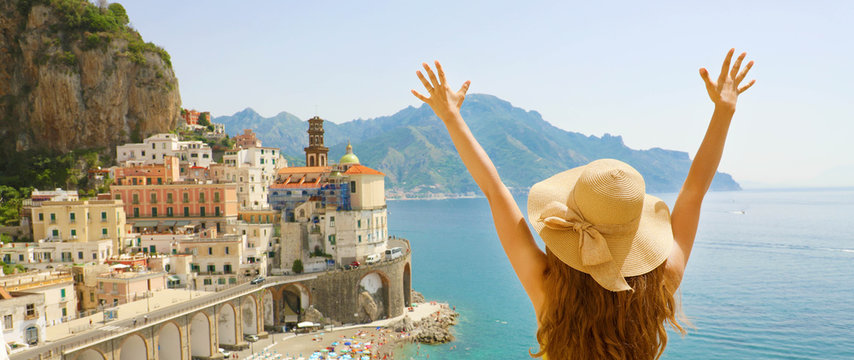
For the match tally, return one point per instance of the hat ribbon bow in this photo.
(591, 245)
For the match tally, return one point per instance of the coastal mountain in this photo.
(414, 150)
(74, 75)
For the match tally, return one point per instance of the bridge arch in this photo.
(373, 293)
(200, 335)
(133, 347)
(250, 315)
(267, 300)
(169, 342)
(91, 354)
(407, 285)
(227, 325)
(295, 298)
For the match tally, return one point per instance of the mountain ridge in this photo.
(414, 150)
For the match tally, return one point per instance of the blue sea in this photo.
(771, 276)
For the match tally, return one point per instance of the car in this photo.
(251, 338)
(373, 259)
(225, 353)
(257, 280)
(355, 264)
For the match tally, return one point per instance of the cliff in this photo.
(73, 75)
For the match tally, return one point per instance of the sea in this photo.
(771, 276)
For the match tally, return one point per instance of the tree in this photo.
(297, 267)
(203, 119)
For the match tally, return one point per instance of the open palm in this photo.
(724, 92)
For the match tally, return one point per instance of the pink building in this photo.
(116, 288)
(152, 206)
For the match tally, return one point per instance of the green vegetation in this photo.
(49, 170)
(297, 267)
(97, 26)
(9, 269)
(10, 205)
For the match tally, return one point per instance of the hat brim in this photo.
(634, 253)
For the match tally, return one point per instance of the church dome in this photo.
(349, 158)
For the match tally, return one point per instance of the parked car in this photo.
(257, 280)
(225, 353)
(393, 253)
(355, 264)
(251, 338)
(373, 259)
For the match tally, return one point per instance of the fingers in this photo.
(441, 73)
(705, 75)
(419, 96)
(743, 73)
(464, 88)
(424, 81)
(737, 66)
(745, 87)
(433, 79)
(725, 66)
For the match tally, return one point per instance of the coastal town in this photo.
(199, 251)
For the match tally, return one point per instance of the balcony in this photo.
(31, 315)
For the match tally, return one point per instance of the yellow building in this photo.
(80, 221)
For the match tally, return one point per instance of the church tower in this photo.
(315, 153)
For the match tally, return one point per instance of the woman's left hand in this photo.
(442, 100)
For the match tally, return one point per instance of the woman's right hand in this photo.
(724, 92)
(442, 100)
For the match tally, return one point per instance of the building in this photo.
(154, 206)
(153, 174)
(332, 215)
(218, 261)
(154, 150)
(56, 288)
(23, 318)
(253, 169)
(80, 221)
(246, 140)
(315, 153)
(45, 254)
(191, 117)
(86, 285)
(121, 287)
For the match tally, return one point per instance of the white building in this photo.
(153, 149)
(23, 319)
(45, 254)
(56, 288)
(253, 169)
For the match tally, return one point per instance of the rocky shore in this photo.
(432, 329)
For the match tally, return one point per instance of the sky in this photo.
(617, 67)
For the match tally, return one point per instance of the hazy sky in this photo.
(593, 67)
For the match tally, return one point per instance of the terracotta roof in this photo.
(304, 169)
(295, 186)
(362, 170)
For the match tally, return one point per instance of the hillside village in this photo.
(176, 219)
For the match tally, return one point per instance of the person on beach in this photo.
(605, 287)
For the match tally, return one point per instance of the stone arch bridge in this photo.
(197, 328)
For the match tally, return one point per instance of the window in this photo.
(359, 222)
(332, 239)
(154, 211)
(31, 310)
(152, 249)
(353, 187)
(216, 196)
(226, 268)
(169, 198)
(41, 217)
(100, 285)
(360, 238)
(159, 181)
(201, 197)
(186, 197)
(55, 233)
(186, 211)
(62, 292)
(94, 256)
(52, 218)
(73, 233)
(202, 211)
(211, 268)
(7, 322)
(80, 255)
(103, 232)
(103, 216)
(136, 198)
(153, 198)
(169, 212)
(167, 267)
(220, 281)
(92, 296)
(232, 280)
(208, 282)
(210, 251)
(20, 257)
(148, 180)
(118, 196)
(216, 211)
(226, 250)
(135, 212)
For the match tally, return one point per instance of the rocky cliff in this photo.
(74, 75)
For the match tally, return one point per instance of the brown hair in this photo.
(583, 320)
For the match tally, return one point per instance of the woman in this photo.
(606, 285)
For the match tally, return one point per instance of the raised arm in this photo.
(686, 212)
(526, 258)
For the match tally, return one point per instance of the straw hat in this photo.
(598, 219)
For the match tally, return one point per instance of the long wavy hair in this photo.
(583, 320)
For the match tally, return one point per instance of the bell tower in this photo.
(315, 153)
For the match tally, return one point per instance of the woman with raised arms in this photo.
(605, 287)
